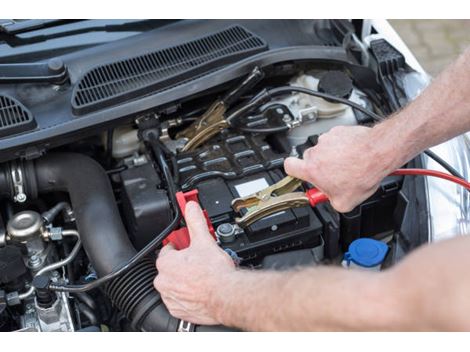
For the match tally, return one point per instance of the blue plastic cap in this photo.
(366, 252)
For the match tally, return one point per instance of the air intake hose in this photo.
(102, 233)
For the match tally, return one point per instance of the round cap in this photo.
(336, 83)
(55, 65)
(366, 252)
(25, 226)
(226, 232)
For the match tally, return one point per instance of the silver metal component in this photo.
(3, 239)
(286, 118)
(13, 298)
(226, 232)
(293, 152)
(25, 226)
(55, 318)
(136, 160)
(185, 326)
(319, 125)
(29, 320)
(173, 145)
(292, 122)
(53, 233)
(58, 264)
(55, 276)
(18, 184)
(36, 247)
(310, 113)
(35, 261)
(166, 125)
(58, 317)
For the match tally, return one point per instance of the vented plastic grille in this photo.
(126, 79)
(14, 117)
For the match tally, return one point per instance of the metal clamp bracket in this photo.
(18, 184)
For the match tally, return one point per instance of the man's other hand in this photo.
(347, 164)
(188, 279)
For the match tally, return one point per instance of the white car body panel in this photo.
(448, 204)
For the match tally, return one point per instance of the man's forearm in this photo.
(440, 113)
(425, 291)
(325, 298)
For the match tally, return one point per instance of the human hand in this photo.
(347, 164)
(189, 280)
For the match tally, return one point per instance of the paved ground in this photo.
(435, 43)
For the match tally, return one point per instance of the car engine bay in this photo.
(84, 212)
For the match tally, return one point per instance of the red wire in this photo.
(433, 173)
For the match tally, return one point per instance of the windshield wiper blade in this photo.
(16, 27)
(16, 39)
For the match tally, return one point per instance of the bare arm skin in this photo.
(348, 163)
(428, 290)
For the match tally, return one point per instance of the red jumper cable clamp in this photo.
(180, 238)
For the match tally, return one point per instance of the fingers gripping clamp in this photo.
(180, 238)
(275, 198)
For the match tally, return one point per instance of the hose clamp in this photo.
(185, 326)
(18, 183)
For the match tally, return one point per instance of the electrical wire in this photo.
(433, 173)
(265, 95)
(289, 89)
(443, 163)
(56, 265)
(150, 247)
(260, 99)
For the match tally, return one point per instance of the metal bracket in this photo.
(18, 184)
(185, 326)
(307, 114)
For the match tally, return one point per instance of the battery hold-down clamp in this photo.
(180, 238)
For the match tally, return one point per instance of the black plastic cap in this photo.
(336, 83)
(56, 65)
(41, 282)
(44, 297)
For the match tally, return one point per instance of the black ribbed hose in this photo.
(102, 232)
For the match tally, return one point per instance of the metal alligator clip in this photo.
(208, 125)
(213, 120)
(275, 198)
